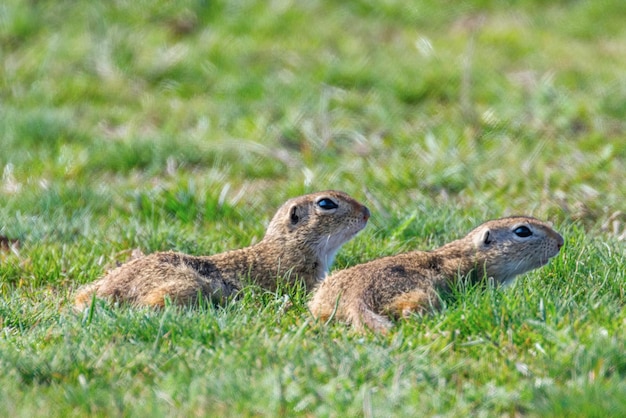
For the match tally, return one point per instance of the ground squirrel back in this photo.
(368, 294)
(300, 244)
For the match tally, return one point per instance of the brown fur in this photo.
(369, 294)
(300, 244)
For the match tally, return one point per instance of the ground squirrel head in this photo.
(514, 245)
(320, 222)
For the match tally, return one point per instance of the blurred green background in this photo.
(515, 106)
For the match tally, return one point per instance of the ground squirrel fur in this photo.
(300, 244)
(395, 286)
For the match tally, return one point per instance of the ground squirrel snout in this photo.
(367, 295)
(300, 243)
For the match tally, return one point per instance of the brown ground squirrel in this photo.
(395, 286)
(300, 244)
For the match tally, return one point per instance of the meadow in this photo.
(184, 125)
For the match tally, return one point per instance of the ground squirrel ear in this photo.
(487, 237)
(293, 215)
(483, 238)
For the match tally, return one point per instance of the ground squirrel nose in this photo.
(366, 213)
(560, 241)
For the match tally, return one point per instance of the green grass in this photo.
(184, 125)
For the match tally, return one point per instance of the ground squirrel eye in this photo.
(327, 204)
(522, 231)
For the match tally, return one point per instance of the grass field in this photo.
(184, 125)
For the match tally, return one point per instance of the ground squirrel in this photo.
(300, 244)
(395, 286)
